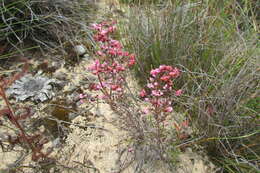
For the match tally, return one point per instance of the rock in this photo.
(80, 49)
(56, 143)
(86, 57)
(73, 115)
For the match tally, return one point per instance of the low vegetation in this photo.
(216, 45)
(27, 24)
(198, 60)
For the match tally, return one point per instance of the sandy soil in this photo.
(93, 143)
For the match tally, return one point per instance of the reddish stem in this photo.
(103, 88)
(12, 118)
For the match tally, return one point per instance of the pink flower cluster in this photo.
(103, 29)
(113, 61)
(158, 90)
(109, 46)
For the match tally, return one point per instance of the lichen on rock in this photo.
(37, 88)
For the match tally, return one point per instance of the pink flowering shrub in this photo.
(112, 63)
(158, 91)
(110, 67)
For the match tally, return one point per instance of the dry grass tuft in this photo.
(216, 46)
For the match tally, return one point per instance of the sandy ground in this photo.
(94, 144)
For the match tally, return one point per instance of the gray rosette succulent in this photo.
(38, 88)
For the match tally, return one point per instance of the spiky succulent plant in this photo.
(37, 88)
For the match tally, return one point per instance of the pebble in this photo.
(80, 49)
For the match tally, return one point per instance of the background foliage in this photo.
(216, 44)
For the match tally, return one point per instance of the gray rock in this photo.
(80, 49)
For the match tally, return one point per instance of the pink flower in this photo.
(114, 87)
(150, 85)
(104, 65)
(157, 93)
(116, 44)
(102, 97)
(155, 72)
(145, 110)
(120, 68)
(130, 150)
(81, 96)
(165, 68)
(104, 47)
(95, 67)
(100, 53)
(112, 52)
(155, 84)
(175, 73)
(104, 32)
(157, 102)
(126, 53)
(168, 109)
(143, 93)
(166, 86)
(168, 68)
(95, 87)
(165, 78)
(131, 60)
(111, 28)
(146, 99)
(96, 26)
(178, 92)
(119, 89)
(120, 53)
(161, 67)
(100, 37)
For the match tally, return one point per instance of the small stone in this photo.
(52, 170)
(86, 57)
(73, 115)
(42, 129)
(80, 49)
(56, 143)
